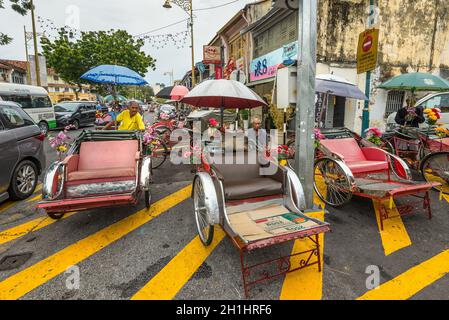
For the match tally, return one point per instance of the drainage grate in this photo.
(14, 261)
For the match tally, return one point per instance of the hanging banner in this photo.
(266, 66)
(367, 50)
(42, 70)
(211, 55)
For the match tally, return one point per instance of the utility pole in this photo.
(27, 56)
(365, 117)
(36, 53)
(305, 105)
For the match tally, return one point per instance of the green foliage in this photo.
(19, 6)
(71, 57)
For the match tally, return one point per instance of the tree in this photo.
(71, 57)
(19, 6)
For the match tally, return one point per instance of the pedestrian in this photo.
(409, 115)
(129, 119)
(257, 137)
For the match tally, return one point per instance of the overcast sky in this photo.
(135, 16)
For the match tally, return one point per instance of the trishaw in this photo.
(423, 151)
(101, 169)
(347, 165)
(257, 203)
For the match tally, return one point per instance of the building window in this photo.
(395, 101)
(236, 48)
(284, 32)
(56, 78)
(56, 89)
(18, 78)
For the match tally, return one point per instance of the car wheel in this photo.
(76, 124)
(43, 126)
(24, 180)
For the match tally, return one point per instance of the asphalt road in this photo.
(127, 252)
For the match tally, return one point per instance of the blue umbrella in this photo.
(115, 75)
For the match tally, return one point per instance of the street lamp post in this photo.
(187, 6)
(36, 54)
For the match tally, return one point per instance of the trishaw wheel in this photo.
(435, 168)
(159, 154)
(147, 199)
(55, 216)
(205, 230)
(331, 183)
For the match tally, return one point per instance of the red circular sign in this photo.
(367, 43)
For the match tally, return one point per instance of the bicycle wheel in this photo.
(158, 153)
(435, 168)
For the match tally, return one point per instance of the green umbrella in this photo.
(417, 81)
(118, 97)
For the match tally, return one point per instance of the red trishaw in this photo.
(102, 169)
(347, 165)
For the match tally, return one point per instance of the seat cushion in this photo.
(101, 174)
(348, 148)
(366, 166)
(107, 154)
(251, 188)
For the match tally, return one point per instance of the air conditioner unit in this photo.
(287, 4)
(286, 87)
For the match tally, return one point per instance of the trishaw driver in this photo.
(130, 119)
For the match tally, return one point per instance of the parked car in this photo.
(435, 100)
(22, 156)
(76, 113)
(168, 110)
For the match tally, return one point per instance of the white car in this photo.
(435, 100)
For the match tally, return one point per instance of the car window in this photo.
(15, 117)
(66, 107)
(24, 101)
(41, 102)
(440, 101)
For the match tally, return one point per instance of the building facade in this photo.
(59, 90)
(13, 71)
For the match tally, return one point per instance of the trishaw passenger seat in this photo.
(245, 181)
(106, 159)
(359, 160)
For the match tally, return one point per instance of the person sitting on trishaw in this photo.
(129, 119)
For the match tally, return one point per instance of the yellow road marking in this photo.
(8, 204)
(411, 281)
(27, 227)
(167, 283)
(35, 198)
(394, 236)
(305, 284)
(30, 278)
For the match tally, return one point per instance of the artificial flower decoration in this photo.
(61, 143)
(442, 132)
(318, 137)
(433, 115)
(374, 135)
(213, 123)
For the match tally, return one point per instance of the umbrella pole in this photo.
(222, 112)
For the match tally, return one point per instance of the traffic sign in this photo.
(367, 50)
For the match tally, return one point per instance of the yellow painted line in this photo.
(35, 198)
(394, 236)
(307, 283)
(30, 278)
(167, 283)
(8, 204)
(411, 281)
(27, 227)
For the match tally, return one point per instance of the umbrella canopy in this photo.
(115, 75)
(338, 86)
(175, 93)
(417, 81)
(111, 98)
(225, 94)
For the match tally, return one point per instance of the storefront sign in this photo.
(211, 55)
(367, 50)
(266, 66)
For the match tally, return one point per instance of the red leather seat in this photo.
(359, 160)
(103, 160)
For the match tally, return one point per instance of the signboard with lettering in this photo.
(211, 55)
(367, 50)
(266, 66)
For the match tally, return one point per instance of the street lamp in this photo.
(187, 6)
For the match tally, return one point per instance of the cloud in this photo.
(135, 16)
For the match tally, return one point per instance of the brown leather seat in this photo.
(245, 181)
